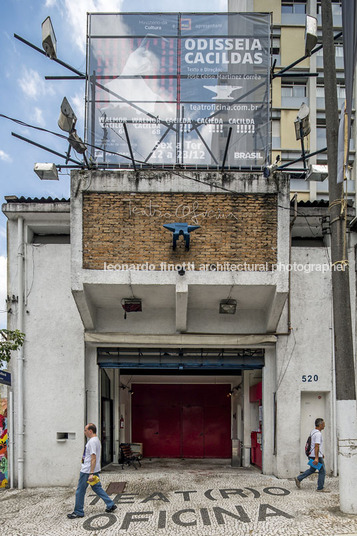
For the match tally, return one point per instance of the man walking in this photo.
(317, 456)
(89, 469)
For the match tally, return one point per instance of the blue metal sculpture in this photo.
(181, 229)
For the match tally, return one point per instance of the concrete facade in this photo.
(73, 316)
(66, 286)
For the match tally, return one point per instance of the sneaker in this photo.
(73, 515)
(297, 482)
(324, 490)
(111, 509)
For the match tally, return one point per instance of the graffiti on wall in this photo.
(3, 443)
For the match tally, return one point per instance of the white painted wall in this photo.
(53, 364)
(54, 369)
(306, 351)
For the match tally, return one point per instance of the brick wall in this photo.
(126, 228)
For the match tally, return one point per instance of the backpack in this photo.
(308, 445)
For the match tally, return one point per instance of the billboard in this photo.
(179, 89)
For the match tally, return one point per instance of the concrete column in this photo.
(246, 420)
(116, 416)
(268, 410)
(347, 454)
(92, 386)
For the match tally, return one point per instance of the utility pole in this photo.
(346, 414)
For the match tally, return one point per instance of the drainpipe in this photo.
(11, 439)
(20, 355)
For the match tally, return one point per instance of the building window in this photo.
(275, 49)
(275, 127)
(296, 7)
(320, 92)
(339, 51)
(293, 90)
(341, 92)
(293, 94)
(336, 8)
(321, 138)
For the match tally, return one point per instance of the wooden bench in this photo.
(127, 457)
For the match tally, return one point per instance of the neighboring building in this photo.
(288, 93)
(193, 352)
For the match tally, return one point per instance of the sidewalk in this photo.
(182, 498)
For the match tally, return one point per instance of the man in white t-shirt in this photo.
(317, 456)
(90, 467)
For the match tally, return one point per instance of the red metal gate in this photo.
(182, 421)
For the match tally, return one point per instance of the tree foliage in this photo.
(9, 341)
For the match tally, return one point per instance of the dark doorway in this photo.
(182, 421)
(106, 420)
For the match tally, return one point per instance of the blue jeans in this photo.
(81, 491)
(311, 470)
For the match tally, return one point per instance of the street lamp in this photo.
(302, 128)
(317, 172)
(310, 34)
(302, 122)
(67, 122)
(49, 41)
(46, 171)
(67, 119)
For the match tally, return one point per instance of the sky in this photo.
(25, 95)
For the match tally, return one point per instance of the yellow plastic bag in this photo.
(94, 481)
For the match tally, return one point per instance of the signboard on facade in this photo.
(179, 89)
(5, 377)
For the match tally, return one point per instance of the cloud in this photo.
(3, 290)
(38, 116)
(33, 85)
(76, 15)
(4, 156)
(78, 105)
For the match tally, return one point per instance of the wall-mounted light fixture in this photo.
(236, 388)
(131, 305)
(124, 387)
(227, 307)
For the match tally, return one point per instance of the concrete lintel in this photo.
(157, 277)
(181, 305)
(184, 340)
(13, 210)
(275, 310)
(163, 181)
(86, 309)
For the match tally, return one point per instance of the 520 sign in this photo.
(309, 378)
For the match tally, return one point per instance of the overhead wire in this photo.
(140, 162)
